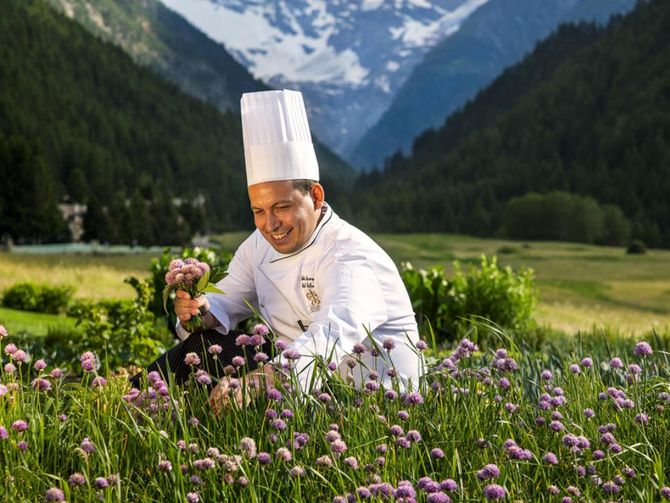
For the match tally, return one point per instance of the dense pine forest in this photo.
(81, 122)
(573, 143)
(578, 132)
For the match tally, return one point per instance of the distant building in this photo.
(73, 214)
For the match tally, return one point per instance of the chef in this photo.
(324, 287)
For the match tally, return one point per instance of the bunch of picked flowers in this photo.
(195, 278)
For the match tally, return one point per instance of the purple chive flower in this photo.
(3, 332)
(101, 483)
(242, 340)
(248, 447)
(504, 383)
(363, 492)
(587, 362)
(414, 436)
(437, 453)
(10, 368)
(192, 359)
(214, 349)
(98, 382)
(359, 348)
(438, 497)
(404, 491)
(297, 471)
(338, 446)
(574, 368)
(615, 448)
(41, 365)
(204, 464)
(164, 466)
(556, 426)
(22, 445)
(550, 458)
(19, 425)
(390, 394)
(494, 492)
(553, 490)
(324, 461)
(40, 384)
(56, 373)
(291, 354)
(238, 361)
(642, 418)
(616, 363)
(203, 377)
(490, 471)
(10, 349)
(372, 386)
(281, 345)
(87, 446)
(261, 357)
(194, 421)
(388, 344)
(54, 494)
(260, 329)
(413, 398)
(610, 487)
(274, 394)
(76, 479)
(642, 349)
(19, 356)
(449, 485)
(351, 462)
(421, 345)
(192, 497)
(589, 412)
(665, 492)
(264, 458)
(4, 434)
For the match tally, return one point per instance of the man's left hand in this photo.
(223, 396)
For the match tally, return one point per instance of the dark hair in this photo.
(303, 185)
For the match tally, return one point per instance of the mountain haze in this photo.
(497, 35)
(348, 58)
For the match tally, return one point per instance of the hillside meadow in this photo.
(580, 286)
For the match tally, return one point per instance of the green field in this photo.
(580, 286)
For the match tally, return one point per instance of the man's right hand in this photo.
(186, 307)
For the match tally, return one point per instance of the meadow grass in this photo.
(92, 276)
(552, 423)
(580, 286)
(34, 323)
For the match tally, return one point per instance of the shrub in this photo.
(636, 247)
(39, 298)
(451, 307)
(500, 295)
(122, 332)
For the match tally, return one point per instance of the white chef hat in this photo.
(277, 141)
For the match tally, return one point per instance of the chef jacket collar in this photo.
(326, 216)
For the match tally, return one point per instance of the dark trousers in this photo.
(171, 363)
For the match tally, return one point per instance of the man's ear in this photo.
(318, 195)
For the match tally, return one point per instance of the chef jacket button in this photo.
(262, 305)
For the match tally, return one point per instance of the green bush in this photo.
(38, 298)
(123, 332)
(501, 296)
(636, 247)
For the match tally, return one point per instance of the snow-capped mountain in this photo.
(347, 57)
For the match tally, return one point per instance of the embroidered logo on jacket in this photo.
(315, 301)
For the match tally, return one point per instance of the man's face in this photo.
(285, 216)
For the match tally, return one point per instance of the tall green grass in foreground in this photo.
(575, 418)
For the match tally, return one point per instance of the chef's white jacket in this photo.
(336, 291)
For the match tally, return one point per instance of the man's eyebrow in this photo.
(283, 201)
